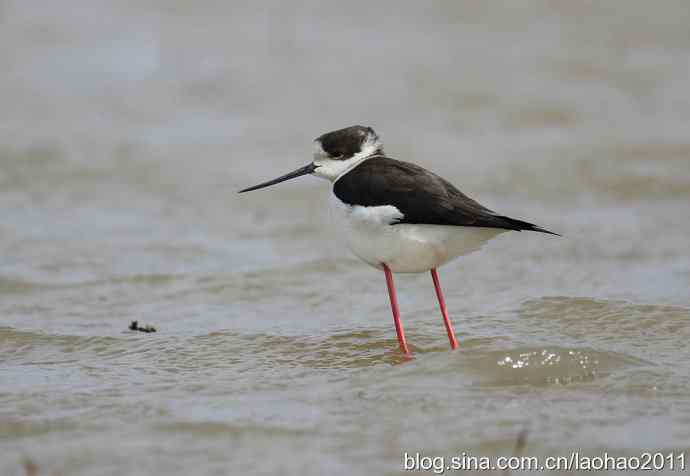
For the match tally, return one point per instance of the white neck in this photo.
(332, 170)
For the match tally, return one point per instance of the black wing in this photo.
(421, 196)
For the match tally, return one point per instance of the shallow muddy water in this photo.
(125, 132)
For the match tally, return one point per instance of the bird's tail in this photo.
(519, 225)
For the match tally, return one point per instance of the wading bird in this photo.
(397, 216)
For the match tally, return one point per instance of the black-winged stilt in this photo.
(397, 216)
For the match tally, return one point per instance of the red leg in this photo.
(396, 310)
(444, 311)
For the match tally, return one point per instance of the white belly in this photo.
(405, 248)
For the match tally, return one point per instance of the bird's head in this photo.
(335, 153)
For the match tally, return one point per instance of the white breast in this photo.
(405, 248)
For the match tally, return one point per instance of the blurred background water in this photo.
(126, 130)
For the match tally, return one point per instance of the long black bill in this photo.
(307, 169)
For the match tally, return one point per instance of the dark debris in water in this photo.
(30, 467)
(134, 326)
